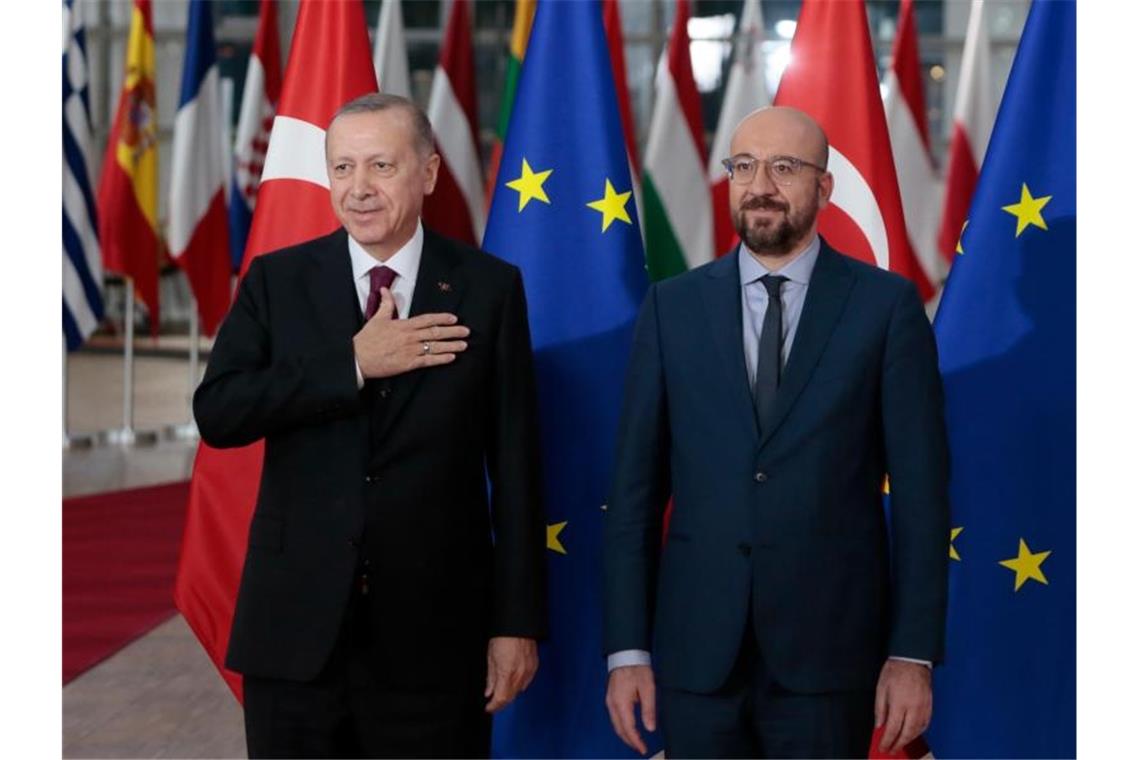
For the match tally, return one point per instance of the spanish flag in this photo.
(128, 186)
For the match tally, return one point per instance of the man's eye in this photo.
(742, 166)
(783, 167)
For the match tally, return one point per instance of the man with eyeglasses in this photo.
(770, 393)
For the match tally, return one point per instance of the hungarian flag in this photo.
(833, 78)
(678, 215)
(128, 186)
(520, 33)
(975, 109)
(198, 230)
(745, 92)
(258, 105)
(329, 64)
(390, 56)
(456, 207)
(905, 108)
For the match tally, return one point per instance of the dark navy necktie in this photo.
(771, 349)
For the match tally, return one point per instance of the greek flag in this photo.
(82, 264)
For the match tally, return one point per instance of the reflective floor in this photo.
(159, 696)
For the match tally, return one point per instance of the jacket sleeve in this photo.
(253, 387)
(633, 519)
(918, 465)
(518, 518)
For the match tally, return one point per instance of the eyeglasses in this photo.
(782, 170)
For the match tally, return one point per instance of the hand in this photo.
(511, 665)
(629, 685)
(903, 701)
(387, 346)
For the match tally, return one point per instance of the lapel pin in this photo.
(444, 287)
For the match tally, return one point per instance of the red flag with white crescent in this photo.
(330, 63)
(832, 77)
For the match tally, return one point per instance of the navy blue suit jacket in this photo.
(787, 522)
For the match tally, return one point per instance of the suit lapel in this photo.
(721, 294)
(332, 291)
(440, 283)
(827, 294)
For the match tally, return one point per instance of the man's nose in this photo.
(761, 183)
(361, 188)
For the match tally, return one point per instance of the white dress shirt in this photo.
(404, 262)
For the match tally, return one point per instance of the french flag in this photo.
(199, 233)
(255, 122)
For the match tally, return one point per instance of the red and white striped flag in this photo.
(330, 63)
(746, 91)
(611, 20)
(974, 112)
(832, 77)
(905, 107)
(390, 55)
(456, 207)
(255, 121)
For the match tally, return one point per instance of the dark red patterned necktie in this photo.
(378, 277)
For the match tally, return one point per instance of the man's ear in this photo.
(431, 173)
(826, 186)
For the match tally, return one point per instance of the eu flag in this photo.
(563, 211)
(1006, 332)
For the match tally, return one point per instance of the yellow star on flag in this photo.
(1028, 210)
(529, 185)
(612, 206)
(954, 552)
(552, 541)
(958, 248)
(1027, 565)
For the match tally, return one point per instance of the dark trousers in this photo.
(753, 716)
(349, 711)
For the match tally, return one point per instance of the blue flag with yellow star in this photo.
(1006, 332)
(563, 211)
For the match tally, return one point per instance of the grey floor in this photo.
(159, 696)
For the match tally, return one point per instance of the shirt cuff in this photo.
(628, 657)
(927, 663)
(359, 374)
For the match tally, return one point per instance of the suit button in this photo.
(759, 477)
(385, 392)
(745, 549)
(371, 479)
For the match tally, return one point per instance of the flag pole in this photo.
(189, 430)
(125, 436)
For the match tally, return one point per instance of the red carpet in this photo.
(120, 552)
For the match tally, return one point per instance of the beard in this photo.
(776, 237)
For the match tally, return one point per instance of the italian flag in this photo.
(678, 208)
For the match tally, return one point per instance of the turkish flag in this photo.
(330, 63)
(832, 77)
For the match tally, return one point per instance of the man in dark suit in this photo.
(769, 392)
(394, 583)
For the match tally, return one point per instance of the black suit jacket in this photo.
(785, 523)
(435, 462)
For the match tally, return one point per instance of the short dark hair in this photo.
(374, 102)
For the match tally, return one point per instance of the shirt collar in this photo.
(798, 269)
(404, 262)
